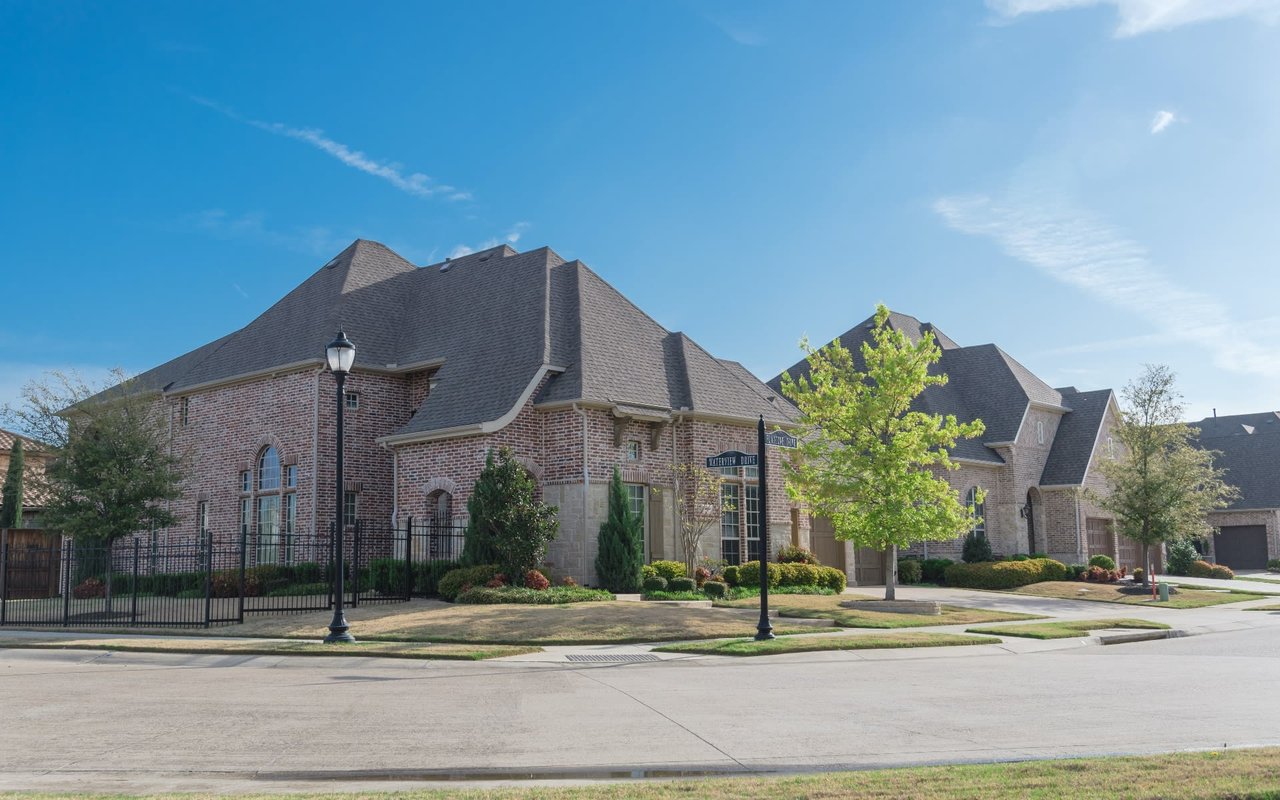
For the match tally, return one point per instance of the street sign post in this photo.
(732, 458)
(737, 458)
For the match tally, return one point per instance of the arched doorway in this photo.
(1029, 511)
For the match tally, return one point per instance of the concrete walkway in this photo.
(1271, 586)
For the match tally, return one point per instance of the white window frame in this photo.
(633, 450)
(351, 401)
(979, 510)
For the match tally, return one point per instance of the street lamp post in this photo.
(339, 354)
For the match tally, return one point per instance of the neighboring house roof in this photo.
(1249, 451)
(494, 323)
(34, 494)
(984, 382)
(1077, 437)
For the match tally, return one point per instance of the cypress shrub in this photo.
(976, 549)
(11, 496)
(620, 560)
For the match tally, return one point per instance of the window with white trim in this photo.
(350, 508)
(352, 401)
(633, 450)
(730, 545)
(269, 470)
(979, 510)
(751, 505)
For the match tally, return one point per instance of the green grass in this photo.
(1270, 581)
(828, 607)
(445, 652)
(1110, 593)
(811, 644)
(1067, 629)
(1275, 607)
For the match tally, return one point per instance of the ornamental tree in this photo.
(11, 496)
(1161, 486)
(507, 524)
(621, 543)
(867, 460)
(695, 496)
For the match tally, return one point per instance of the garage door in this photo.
(1241, 546)
(828, 549)
(868, 567)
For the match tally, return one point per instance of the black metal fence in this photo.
(148, 582)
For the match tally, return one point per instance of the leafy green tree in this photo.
(621, 543)
(1161, 486)
(11, 497)
(112, 467)
(507, 524)
(866, 459)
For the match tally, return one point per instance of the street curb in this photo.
(1144, 636)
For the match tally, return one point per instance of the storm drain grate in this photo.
(626, 658)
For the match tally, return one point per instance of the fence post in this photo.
(408, 558)
(4, 575)
(208, 585)
(244, 560)
(133, 584)
(355, 566)
(67, 546)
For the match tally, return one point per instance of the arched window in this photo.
(979, 510)
(269, 470)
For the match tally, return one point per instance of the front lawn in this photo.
(1067, 629)
(828, 607)
(812, 644)
(1110, 593)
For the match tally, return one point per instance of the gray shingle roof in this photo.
(986, 383)
(1250, 464)
(491, 320)
(1239, 424)
(1077, 435)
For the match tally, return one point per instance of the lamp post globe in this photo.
(339, 356)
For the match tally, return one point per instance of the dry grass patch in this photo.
(1067, 629)
(576, 623)
(828, 607)
(268, 647)
(813, 644)
(1110, 593)
(1238, 774)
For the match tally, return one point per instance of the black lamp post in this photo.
(339, 354)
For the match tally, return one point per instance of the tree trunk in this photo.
(1146, 565)
(890, 572)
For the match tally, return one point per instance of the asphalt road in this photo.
(144, 722)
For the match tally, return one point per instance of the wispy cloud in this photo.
(1074, 248)
(1137, 17)
(738, 33)
(313, 240)
(512, 236)
(414, 183)
(1162, 120)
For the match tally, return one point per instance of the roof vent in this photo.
(447, 263)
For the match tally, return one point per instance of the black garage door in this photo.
(1241, 546)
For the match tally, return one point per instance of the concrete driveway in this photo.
(142, 722)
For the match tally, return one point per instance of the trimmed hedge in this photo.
(668, 569)
(933, 570)
(732, 577)
(1005, 574)
(655, 583)
(790, 554)
(1106, 562)
(715, 589)
(792, 575)
(451, 585)
(1203, 569)
(681, 585)
(910, 571)
(555, 595)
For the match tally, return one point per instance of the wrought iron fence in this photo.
(212, 580)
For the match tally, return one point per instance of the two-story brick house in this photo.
(1037, 457)
(497, 348)
(1248, 446)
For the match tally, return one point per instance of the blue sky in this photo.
(1091, 184)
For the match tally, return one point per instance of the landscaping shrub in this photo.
(507, 524)
(1098, 574)
(909, 571)
(792, 575)
(1018, 557)
(701, 575)
(790, 554)
(388, 575)
(681, 585)
(496, 582)
(620, 556)
(1074, 571)
(568, 580)
(798, 574)
(457, 580)
(669, 569)
(518, 594)
(977, 550)
(88, 588)
(190, 594)
(1039, 555)
(656, 583)
(1273, 565)
(296, 590)
(1106, 562)
(1005, 574)
(731, 575)
(749, 574)
(933, 570)
(533, 579)
(1182, 554)
(427, 575)
(831, 578)
(1139, 575)
(715, 589)
(1203, 569)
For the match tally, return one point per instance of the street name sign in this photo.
(780, 439)
(733, 458)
